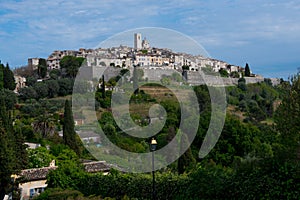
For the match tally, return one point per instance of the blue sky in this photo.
(264, 33)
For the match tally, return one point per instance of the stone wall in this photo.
(193, 77)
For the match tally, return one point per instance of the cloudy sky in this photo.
(264, 33)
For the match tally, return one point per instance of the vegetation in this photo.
(70, 65)
(7, 79)
(69, 134)
(13, 156)
(247, 70)
(256, 156)
(224, 73)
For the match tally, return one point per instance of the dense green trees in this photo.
(186, 161)
(70, 65)
(65, 86)
(39, 157)
(223, 73)
(47, 89)
(9, 97)
(41, 89)
(209, 181)
(288, 117)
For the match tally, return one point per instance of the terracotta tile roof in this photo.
(36, 174)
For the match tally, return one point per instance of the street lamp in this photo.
(153, 145)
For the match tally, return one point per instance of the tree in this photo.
(30, 81)
(186, 160)
(135, 80)
(39, 157)
(71, 65)
(9, 97)
(247, 70)
(223, 72)
(1, 76)
(20, 150)
(11, 146)
(53, 88)
(103, 87)
(242, 84)
(65, 86)
(69, 134)
(42, 68)
(124, 71)
(54, 74)
(69, 171)
(41, 89)
(6, 162)
(287, 119)
(234, 74)
(44, 125)
(8, 77)
(185, 67)
(27, 93)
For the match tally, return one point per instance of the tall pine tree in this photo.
(287, 118)
(103, 87)
(247, 70)
(8, 78)
(135, 80)
(13, 156)
(186, 160)
(69, 135)
(1, 76)
(42, 68)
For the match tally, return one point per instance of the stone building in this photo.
(33, 63)
(34, 180)
(20, 83)
(137, 41)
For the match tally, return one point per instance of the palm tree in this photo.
(45, 125)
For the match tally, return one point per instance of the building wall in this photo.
(33, 63)
(137, 41)
(32, 188)
(20, 83)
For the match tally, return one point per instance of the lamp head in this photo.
(153, 144)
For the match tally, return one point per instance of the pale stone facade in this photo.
(20, 83)
(137, 41)
(33, 63)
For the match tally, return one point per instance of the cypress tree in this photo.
(69, 134)
(6, 163)
(9, 159)
(247, 70)
(42, 68)
(8, 78)
(186, 160)
(135, 80)
(20, 150)
(103, 87)
(1, 76)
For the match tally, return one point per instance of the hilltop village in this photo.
(151, 59)
(142, 55)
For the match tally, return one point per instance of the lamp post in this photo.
(152, 148)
